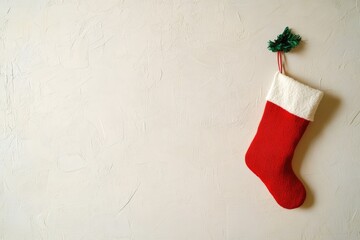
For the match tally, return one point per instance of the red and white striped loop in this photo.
(280, 62)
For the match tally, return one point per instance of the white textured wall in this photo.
(130, 119)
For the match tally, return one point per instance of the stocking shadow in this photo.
(327, 108)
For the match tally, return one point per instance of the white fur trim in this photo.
(297, 98)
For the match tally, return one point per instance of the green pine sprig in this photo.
(285, 41)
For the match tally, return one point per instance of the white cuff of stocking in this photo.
(296, 98)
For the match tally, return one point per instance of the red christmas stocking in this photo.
(289, 108)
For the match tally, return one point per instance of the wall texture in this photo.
(130, 119)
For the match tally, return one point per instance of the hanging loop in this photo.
(280, 61)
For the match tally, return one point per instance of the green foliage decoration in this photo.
(284, 42)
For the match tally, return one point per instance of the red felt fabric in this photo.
(271, 151)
